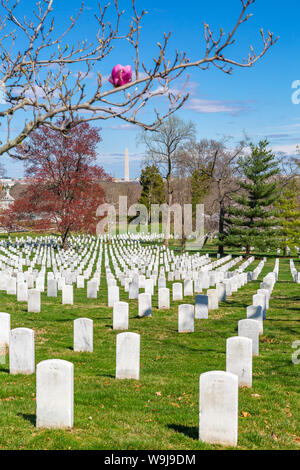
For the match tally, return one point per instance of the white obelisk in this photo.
(126, 165)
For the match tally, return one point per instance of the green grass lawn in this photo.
(160, 411)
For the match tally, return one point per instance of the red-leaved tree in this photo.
(63, 190)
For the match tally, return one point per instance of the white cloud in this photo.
(213, 106)
(105, 78)
(122, 127)
(143, 75)
(89, 76)
(31, 95)
(286, 148)
(161, 90)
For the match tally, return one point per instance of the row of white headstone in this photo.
(133, 284)
(218, 389)
(260, 301)
(20, 342)
(55, 379)
(218, 417)
(295, 274)
(20, 284)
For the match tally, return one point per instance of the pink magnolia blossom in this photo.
(120, 75)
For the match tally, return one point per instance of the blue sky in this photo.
(256, 101)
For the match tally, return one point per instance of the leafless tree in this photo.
(289, 166)
(37, 69)
(162, 145)
(113, 190)
(220, 164)
(161, 150)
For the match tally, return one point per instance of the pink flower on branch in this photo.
(120, 75)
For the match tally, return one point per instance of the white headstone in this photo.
(92, 289)
(188, 287)
(11, 286)
(239, 359)
(177, 291)
(128, 356)
(201, 306)
(54, 394)
(40, 283)
(83, 334)
(250, 329)
(145, 305)
(197, 286)
(52, 288)
(221, 291)
(255, 312)
(218, 408)
(4, 332)
(113, 295)
(34, 301)
(80, 282)
(21, 351)
(134, 288)
(67, 294)
(260, 299)
(22, 292)
(213, 302)
(161, 282)
(30, 281)
(163, 298)
(120, 316)
(186, 318)
(149, 287)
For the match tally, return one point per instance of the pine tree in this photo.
(289, 214)
(252, 220)
(153, 188)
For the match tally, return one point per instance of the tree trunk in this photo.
(221, 230)
(169, 191)
(64, 237)
(183, 238)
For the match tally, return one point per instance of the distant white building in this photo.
(7, 182)
(6, 198)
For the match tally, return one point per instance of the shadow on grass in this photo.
(189, 431)
(137, 317)
(237, 304)
(66, 320)
(31, 418)
(289, 320)
(282, 298)
(4, 369)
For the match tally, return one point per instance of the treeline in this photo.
(250, 194)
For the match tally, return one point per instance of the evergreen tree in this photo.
(289, 214)
(252, 220)
(153, 188)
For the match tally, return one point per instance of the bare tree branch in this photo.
(42, 87)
